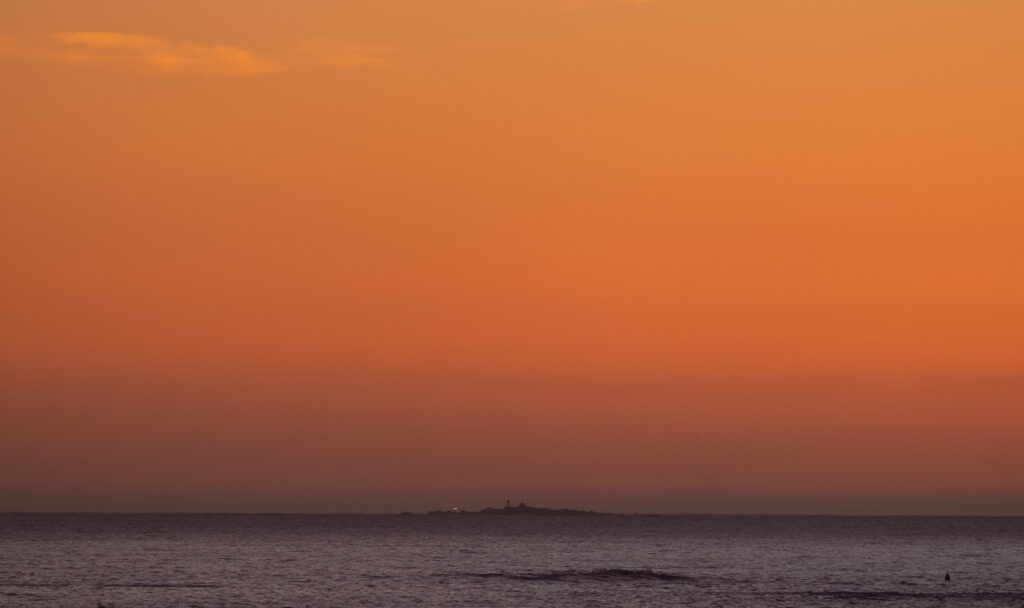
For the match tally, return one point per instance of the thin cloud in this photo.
(155, 54)
(331, 52)
(161, 55)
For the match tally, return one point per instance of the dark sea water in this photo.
(470, 560)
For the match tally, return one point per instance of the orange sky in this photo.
(662, 255)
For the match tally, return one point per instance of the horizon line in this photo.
(591, 513)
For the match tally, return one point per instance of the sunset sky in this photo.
(629, 255)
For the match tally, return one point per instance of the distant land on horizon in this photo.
(521, 509)
(525, 510)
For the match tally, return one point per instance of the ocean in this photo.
(252, 561)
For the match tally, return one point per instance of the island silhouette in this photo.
(520, 509)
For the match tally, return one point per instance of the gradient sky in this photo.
(378, 255)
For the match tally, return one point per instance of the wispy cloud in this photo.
(331, 52)
(157, 54)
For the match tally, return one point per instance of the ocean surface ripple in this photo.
(264, 561)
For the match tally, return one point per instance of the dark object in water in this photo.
(947, 575)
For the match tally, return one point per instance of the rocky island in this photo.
(521, 509)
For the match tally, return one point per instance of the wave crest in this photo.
(601, 574)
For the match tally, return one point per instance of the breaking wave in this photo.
(903, 596)
(602, 574)
(160, 586)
